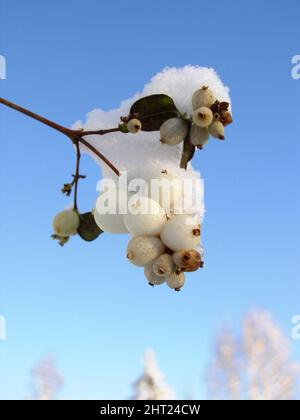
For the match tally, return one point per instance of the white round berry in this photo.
(143, 250)
(173, 131)
(109, 211)
(167, 190)
(216, 129)
(153, 279)
(181, 232)
(176, 280)
(199, 135)
(203, 97)
(134, 126)
(163, 265)
(66, 223)
(203, 116)
(145, 217)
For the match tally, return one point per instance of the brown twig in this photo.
(100, 132)
(76, 136)
(100, 155)
(77, 174)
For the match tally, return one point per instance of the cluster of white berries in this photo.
(164, 245)
(209, 118)
(166, 250)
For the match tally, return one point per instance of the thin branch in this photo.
(74, 135)
(77, 174)
(100, 155)
(37, 117)
(100, 132)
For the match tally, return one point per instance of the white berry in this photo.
(203, 97)
(111, 219)
(181, 232)
(167, 190)
(163, 265)
(216, 129)
(203, 116)
(143, 250)
(134, 125)
(199, 135)
(152, 278)
(145, 217)
(173, 131)
(176, 280)
(66, 223)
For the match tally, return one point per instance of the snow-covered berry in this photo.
(188, 260)
(66, 223)
(153, 279)
(203, 97)
(143, 250)
(173, 131)
(134, 125)
(145, 217)
(216, 129)
(176, 281)
(163, 265)
(111, 220)
(167, 190)
(181, 232)
(199, 135)
(203, 116)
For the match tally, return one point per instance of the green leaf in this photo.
(187, 152)
(153, 111)
(88, 229)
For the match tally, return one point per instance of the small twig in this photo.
(37, 117)
(77, 175)
(100, 132)
(100, 155)
(76, 136)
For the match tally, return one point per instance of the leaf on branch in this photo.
(88, 229)
(153, 111)
(187, 152)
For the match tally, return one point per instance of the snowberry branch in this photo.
(76, 136)
(77, 175)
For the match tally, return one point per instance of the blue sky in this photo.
(84, 303)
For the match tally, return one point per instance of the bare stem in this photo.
(100, 155)
(75, 135)
(100, 132)
(77, 174)
(37, 117)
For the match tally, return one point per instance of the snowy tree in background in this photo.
(47, 381)
(150, 385)
(254, 366)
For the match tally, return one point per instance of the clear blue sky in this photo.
(84, 303)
